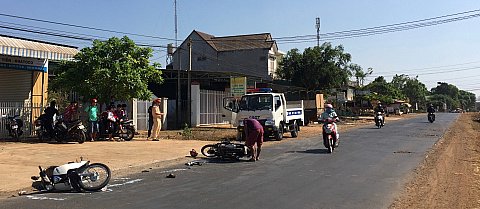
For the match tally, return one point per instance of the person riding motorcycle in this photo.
(431, 110)
(380, 109)
(330, 113)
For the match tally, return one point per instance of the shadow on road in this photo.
(311, 151)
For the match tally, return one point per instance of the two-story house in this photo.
(254, 55)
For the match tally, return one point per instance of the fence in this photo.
(211, 107)
(27, 111)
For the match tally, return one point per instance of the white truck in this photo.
(271, 110)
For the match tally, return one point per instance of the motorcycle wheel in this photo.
(15, 134)
(80, 136)
(330, 145)
(94, 177)
(128, 134)
(40, 135)
(209, 150)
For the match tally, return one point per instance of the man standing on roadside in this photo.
(254, 135)
(92, 112)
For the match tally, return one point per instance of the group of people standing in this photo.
(72, 112)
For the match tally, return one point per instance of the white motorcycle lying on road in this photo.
(78, 176)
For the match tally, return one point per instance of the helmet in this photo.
(94, 100)
(328, 106)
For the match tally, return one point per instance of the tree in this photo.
(414, 90)
(321, 67)
(359, 74)
(383, 91)
(113, 69)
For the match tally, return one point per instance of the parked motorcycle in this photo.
(14, 126)
(63, 131)
(379, 120)
(78, 176)
(40, 128)
(431, 117)
(329, 135)
(226, 150)
(123, 129)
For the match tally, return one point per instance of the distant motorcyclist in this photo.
(330, 113)
(431, 110)
(380, 109)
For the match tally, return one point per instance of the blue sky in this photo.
(429, 52)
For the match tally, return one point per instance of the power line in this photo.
(84, 27)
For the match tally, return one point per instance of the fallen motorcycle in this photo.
(226, 150)
(78, 176)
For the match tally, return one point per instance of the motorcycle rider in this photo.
(50, 113)
(380, 109)
(253, 135)
(330, 113)
(431, 110)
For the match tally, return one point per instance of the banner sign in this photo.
(238, 86)
(23, 63)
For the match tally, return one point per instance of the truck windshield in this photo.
(256, 102)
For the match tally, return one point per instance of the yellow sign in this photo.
(238, 86)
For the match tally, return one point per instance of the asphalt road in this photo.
(368, 170)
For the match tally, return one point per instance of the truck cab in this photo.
(270, 109)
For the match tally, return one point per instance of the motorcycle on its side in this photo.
(379, 120)
(78, 176)
(431, 117)
(329, 134)
(226, 150)
(14, 126)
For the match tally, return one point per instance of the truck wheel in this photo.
(295, 130)
(279, 133)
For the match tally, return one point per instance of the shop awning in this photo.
(35, 49)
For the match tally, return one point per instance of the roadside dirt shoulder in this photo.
(450, 174)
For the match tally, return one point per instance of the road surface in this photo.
(368, 170)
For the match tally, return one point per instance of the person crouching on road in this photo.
(254, 135)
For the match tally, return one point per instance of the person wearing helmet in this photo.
(330, 113)
(93, 113)
(380, 109)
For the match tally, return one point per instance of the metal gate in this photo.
(211, 107)
(28, 113)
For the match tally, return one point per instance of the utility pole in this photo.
(317, 25)
(189, 83)
(179, 95)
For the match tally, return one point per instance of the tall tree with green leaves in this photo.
(359, 74)
(116, 69)
(383, 91)
(414, 90)
(316, 68)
